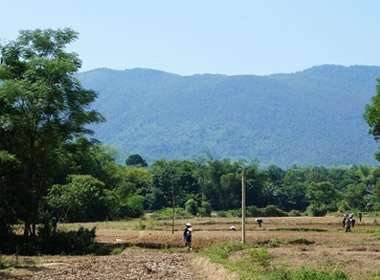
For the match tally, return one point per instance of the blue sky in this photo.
(257, 37)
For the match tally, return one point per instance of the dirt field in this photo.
(357, 252)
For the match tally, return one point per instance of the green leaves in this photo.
(372, 114)
(81, 199)
(45, 106)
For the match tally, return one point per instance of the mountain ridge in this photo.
(310, 117)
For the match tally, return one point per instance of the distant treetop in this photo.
(136, 159)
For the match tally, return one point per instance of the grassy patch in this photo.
(252, 262)
(15, 262)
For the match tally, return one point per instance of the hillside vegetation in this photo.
(308, 118)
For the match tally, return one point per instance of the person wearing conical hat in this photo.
(187, 232)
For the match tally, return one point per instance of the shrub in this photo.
(191, 206)
(205, 210)
(253, 211)
(316, 210)
(294, 213)
(273, 211)
(261, 257)
(78, 242)
(132, 207)
(167, 213)
(222, 213)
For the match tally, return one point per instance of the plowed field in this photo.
(328, 247)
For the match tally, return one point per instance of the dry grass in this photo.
(355, 252)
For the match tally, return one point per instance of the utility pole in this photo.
(242, 207)
(173, 206)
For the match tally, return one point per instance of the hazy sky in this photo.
(208, 36)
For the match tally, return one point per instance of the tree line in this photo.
(50, 165)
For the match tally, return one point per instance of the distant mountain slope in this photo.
(311, 117)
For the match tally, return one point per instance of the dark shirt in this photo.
(187, 235)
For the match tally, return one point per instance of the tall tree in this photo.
(9, 192)
(322, 193)
(372, 116)
(82, 199)
(356, 195)
(45, 107)
(136, 159)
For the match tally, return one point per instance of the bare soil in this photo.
(319, 243)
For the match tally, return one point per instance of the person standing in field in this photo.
(54, 222)
(344, 220)
(348, 224)
(352, 220)
(187, 232)
(360, 216)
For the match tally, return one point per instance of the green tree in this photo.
(136, 159)
(275, 174)
(355, 195)
(191, 206)
(10, 192)
(256, 183)
(368, 175)
(161, 192)
(200, 173)
(222, 183)
(322, 193)
(132, 207)
(208, 173)
(293, 196)
(97, 161)
(372, 116)
(137, 179)
(340, 177)
(131, 191)
(205, 209)
(316, 174)
(172, 182)
(45, 108)
(82, 199)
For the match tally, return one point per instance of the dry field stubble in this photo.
(356, 252)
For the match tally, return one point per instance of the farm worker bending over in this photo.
(187, 236)
(259, 221)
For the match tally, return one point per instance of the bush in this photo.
(191, 206)
(132, 207)
(222, 214)
(78, 242)
(295, 213)
(316, 210)
(253, 211)
(235, 213)
(273, 211)
(205, 210)
(167, 213)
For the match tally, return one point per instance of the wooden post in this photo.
(173, 206)
(242, 207)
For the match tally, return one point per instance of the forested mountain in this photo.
(308, 118)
